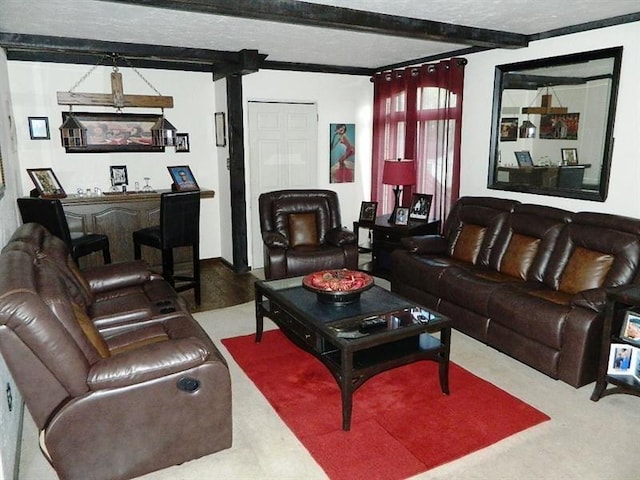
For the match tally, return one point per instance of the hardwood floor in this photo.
(221, 287)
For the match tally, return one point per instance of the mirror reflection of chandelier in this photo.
(74, 134)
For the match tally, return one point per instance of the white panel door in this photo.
(283, 146)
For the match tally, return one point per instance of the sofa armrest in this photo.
(425, 244)
(340, 237)
(274, 239)
(117, 275)
(594, 299)
(147, 363)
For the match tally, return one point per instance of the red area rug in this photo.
(402, 424)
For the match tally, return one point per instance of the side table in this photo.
(618, 301)
(386, 238)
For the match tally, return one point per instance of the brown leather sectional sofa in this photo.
(529, 280)
(117, 375)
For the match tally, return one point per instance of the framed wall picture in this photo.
(368, 212)
(46, 183)
(39, 128)
(420, 207)
(118, 175)
(342, 152)
(183, 179)
(631, 327)
(569, 156)
(182, 142)
(116, 132)
(509, 129)
(402, 216)
(221, 129)
(524, 158)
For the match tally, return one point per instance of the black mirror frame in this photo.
(603, 187)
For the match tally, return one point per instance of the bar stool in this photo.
(49, 213)
(179, 227)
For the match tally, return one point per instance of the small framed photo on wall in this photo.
(39, 128)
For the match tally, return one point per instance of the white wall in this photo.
(33, 93)
(624, 194)
(339, 99)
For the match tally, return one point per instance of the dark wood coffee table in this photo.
(332, 333)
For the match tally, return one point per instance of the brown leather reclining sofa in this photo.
(529, 280)
(118, 377)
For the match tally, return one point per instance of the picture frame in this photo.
(569, 156)
(183, 179)
(509, 129)
(115, 132)
(368, 212)
(46, 182)
(420, 207)
(630, 331)
(401, 216)
(523, 158)
(559, 126)
(622, 359)
(221, 129)
(118, 175)
(39, 128)
(182, 142)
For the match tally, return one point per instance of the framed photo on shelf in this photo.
(569, 156)
(420, 207)
(631, 327)
(402, 216)
(524, 158)
(368, 212)
(182, 142)
(118, 175)
(46, 183)
(183, 179)
(39, 128)
(622, 359)
(509, 129)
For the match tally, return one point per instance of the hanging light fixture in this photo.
(527, 129)
(74, 134)
(163, 133)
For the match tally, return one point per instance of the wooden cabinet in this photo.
(386, 238)
(118, 216)
(619, 300)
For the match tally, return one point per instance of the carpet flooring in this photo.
(402, 424)
(584, 440)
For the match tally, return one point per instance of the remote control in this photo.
(370, 324)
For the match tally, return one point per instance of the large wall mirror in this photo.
(552, 130)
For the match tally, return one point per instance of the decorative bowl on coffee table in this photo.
(338, 287)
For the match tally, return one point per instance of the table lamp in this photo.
(400, 172)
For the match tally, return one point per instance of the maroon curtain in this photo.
(417, 115)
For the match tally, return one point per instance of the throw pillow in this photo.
(303, 229)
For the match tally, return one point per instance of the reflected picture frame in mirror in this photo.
(573, 95)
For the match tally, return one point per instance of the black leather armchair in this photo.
(302, 233)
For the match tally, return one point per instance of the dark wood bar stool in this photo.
(179, 227)
(49, 213)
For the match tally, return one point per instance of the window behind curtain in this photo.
(417, 115)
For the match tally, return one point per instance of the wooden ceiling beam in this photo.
(327, 16)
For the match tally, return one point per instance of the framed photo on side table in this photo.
(524, 158)
(569, 156)
(402, 216)
(183, 179)
(46, 183)
(631, 327)
(118, 175)
(420, 207)
(368, 212)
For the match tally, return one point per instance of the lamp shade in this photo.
(399, 172)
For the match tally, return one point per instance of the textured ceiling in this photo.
(108, 21)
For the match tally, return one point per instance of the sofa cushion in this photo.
(303, 229)
(519, 255)
(91, 331)
(467, 245)
(585, 270)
